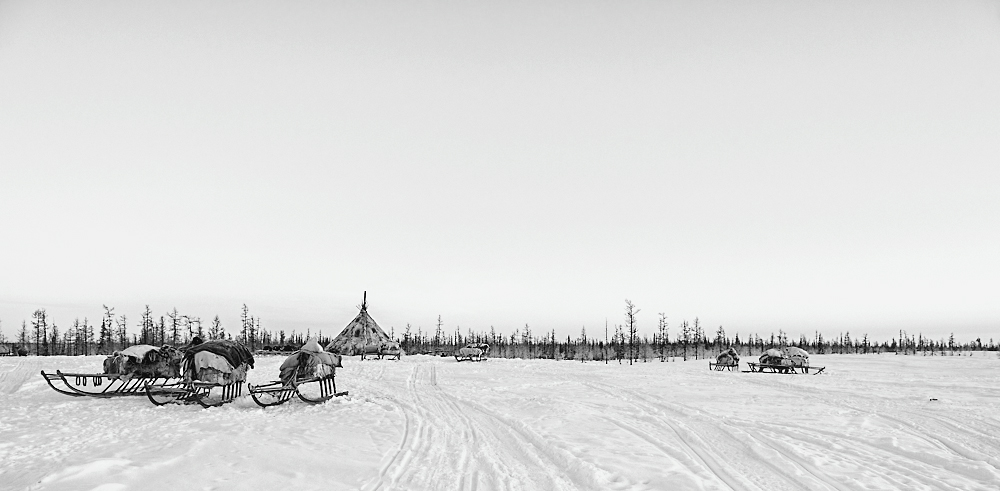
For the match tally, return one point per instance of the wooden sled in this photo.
(381, 355)
(718, 367)
(195, 392)
(276, 393)
(102, 384)
(770, 368)
(470, 357)
(390, 355)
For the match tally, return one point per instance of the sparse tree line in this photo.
(620, 342)
(42, 336)
(625, 344)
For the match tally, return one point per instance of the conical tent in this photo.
(361, 332)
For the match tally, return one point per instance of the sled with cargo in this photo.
(473, 352)
(790, 360)
(385, 350)
(214, 373)
(727, 360)
(126, 373)
(309, 374)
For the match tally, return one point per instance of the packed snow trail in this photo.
(425, 423)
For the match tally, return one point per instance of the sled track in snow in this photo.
(979, 449)
(450, 440)
(11, 381)
(788, 454)
(710, 449)
(756, 460)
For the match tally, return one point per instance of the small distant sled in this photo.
(727, 360)
(308, 373)
(472, 352)
(214, 374)
(390, 350)
(790, 360)
(126, 373)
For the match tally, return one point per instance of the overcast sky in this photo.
(804, 166)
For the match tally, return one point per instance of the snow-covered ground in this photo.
(426, 423)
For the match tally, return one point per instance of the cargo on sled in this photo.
(727, 360)
(787, 360)
(126, 373)
(309, 373)
(385, 349)
(213, 372)
(473, 352)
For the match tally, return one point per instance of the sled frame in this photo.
(280, 393)
(380, 356)
(771, 368)
(104, 385)
(719, 367)
(194, 392)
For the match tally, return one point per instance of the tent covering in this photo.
(361, 332)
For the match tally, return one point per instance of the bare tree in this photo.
(630, 313)
(664, 336)
(122, 331)
(685, 338)
(106, 328)
(40, 324)
(245, 323)
(146, 327)
(216, 331)
(175, 326)
(23, 337)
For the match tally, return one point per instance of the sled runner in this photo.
(214, 374)
(126, 373)
(102, 384)
(309, 374)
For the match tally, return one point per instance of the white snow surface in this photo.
(426, 423)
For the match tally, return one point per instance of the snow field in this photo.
(425, 423)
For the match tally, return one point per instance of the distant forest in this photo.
(623, 343)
